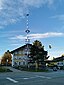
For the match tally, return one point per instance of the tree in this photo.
(37, 43)
(38, 54)
(6, 56)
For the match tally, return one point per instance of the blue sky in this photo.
(46, 23)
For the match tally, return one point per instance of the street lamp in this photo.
(49, 48)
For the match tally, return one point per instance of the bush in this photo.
(2, 69)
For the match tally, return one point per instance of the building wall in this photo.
(19, 57)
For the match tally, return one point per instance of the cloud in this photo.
(46, 35)
(1, 2)
(12, 11)
(15, 44)
(59, 17)
(18, 37)
(39, 36)
(38, 3)
(8, 34)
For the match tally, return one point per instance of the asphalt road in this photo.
(32, 78)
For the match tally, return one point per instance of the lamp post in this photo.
(49, 48)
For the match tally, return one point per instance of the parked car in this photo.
(60, 65)
(54, 68)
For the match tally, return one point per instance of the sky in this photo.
(46, 24)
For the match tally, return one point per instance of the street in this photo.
(30, 78)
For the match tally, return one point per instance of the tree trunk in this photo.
(36, 63)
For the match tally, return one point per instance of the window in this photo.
(19, 52)
(15, 52)
(23, 63)
(19, 58)
(15, 57)
(15, 63)
(19, 63)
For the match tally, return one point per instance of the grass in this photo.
(2, 69)
(31, 69)
(35, 70)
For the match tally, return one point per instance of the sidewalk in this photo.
(13, 69)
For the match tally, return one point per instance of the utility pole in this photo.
(27, 40)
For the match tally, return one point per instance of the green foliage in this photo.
(37, 43)
(38, 54)
(2, 69)
(34, 70)
(37, 51)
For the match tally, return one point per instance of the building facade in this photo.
(20, 56)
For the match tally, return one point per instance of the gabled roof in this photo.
(22, 47)
(59, 59)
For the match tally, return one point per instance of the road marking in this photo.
(44, 77)
(37, 76)
(29, 78)
(25, 78)
(11, 79)
(48, 77)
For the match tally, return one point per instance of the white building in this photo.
(20, 55)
